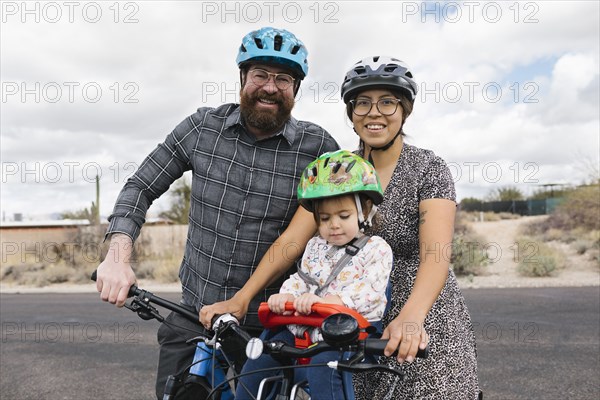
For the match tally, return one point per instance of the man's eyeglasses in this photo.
(260, 77)
(362, 107)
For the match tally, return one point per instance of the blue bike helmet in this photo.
(274, 45)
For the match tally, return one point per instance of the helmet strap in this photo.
(362, 222)
(381, 148)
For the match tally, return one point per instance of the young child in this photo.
(341, 190)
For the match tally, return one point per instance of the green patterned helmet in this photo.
(338, 173)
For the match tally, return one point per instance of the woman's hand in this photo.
(406, 334)
(277, 303)
(233, 306)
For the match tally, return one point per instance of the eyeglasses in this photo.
(260, 77)
(362, 107)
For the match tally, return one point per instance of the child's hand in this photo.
(303, 304)
(277, 303)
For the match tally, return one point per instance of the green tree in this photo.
(84, 213)
(92, 214)
(180, 202)
(470, 204)
(506, 193)
(543, 193)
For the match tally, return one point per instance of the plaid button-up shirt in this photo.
(243, 196)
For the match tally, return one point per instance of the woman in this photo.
(417, 220)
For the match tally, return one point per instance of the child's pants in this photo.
(324, 382)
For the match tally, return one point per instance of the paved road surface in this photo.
(532, 343)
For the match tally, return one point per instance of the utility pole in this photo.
(95, 211)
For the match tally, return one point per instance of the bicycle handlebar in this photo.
(255, 347)
(370, 346)
(149, 297)
(220, 322)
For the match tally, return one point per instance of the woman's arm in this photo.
(406, 332)
(278, 259)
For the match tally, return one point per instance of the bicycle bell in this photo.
(254, 348)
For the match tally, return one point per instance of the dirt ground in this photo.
(500, 240)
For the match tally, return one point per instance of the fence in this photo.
(521, 207)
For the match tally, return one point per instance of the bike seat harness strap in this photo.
(352, 249)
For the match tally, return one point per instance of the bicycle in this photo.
(217, 364)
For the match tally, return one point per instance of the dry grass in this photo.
(74, 261)
(537, 259)
(477, 216)
(575, 222)
(468, 255)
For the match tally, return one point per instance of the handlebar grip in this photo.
(376, 347)
(241, 333)
(133, 290)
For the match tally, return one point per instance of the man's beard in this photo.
(267, 121)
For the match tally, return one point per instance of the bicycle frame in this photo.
(204, 365)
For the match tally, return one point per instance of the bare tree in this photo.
(180, 202)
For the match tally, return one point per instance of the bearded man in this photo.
(246, 160)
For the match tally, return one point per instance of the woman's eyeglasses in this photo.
(362, 107)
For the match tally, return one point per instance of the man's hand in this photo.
(114, 274)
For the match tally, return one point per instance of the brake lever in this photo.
(365, 367)
(144, 310)
(198, 339)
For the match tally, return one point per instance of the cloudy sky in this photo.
(509, 91)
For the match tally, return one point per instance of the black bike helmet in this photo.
(379, 72)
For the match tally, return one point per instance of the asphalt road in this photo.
(532, 343)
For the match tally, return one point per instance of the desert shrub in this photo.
(461, 222)
(491, 216)
(507, 215)
(576, 220)
(536, 259)
(164, 270)
(468, 256)
(580, 209)
(74, 259)
(582, 246)
(167, 271)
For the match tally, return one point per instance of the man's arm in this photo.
(278, 259)
(154, 176)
